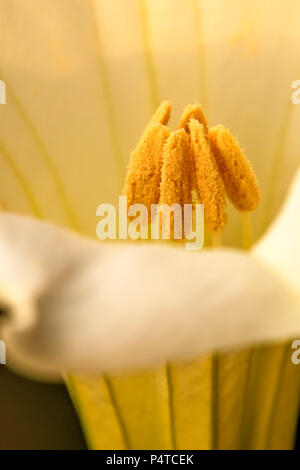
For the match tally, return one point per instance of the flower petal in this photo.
(78, 305)
(280, 247)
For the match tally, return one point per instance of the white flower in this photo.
(80, 305)
(82, 79)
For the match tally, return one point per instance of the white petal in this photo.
(102, 307)
(280, 247)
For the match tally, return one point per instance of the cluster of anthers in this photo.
(194, 163)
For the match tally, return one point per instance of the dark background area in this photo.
(35, 415)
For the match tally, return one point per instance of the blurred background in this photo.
(35, 415)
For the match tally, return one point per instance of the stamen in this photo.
(209, 182)
(144, 169)
(175, 184)
(192, 111)
(188, 177)
(175, 187)
(143, 173)
(238, 176)
(162, 114)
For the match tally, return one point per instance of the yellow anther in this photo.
(209, 182)
(144, 169)
(192, 111)
(238, 176)
(175, 184)
(190, 165)
(162, 114)
(188, 177)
